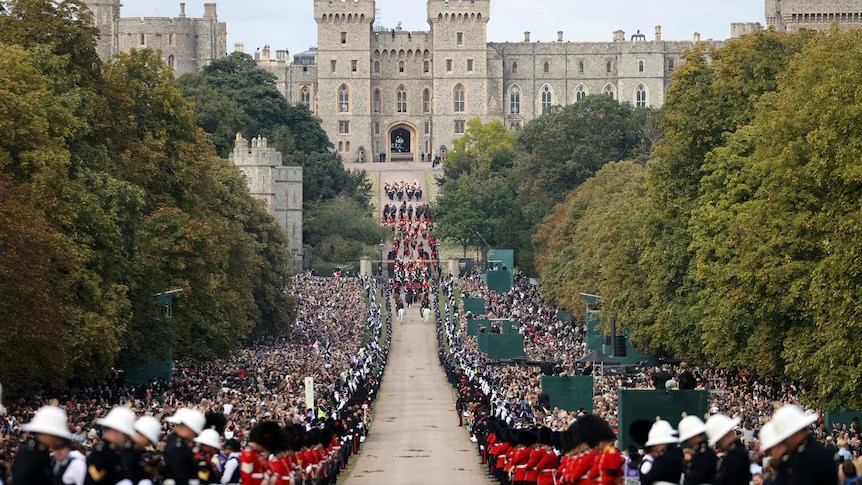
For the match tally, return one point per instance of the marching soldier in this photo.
(32, 463)
(806, 461)
(139, 462)
(209, 445)
(264, 439)
(733, 467)
(180, 463)
(105, 463)
(701, 468)
(666, 463)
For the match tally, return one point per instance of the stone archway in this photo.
(402, 143)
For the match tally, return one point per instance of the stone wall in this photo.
(813, 14)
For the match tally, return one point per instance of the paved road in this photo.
(398, 167)
(415, 438)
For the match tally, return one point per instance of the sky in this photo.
(289, 24)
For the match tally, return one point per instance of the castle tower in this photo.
(280, 188)
(459, 29)
(773, 15)
(344, 31)
(106, 17)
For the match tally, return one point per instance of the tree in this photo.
(481, 146)
(342, 230)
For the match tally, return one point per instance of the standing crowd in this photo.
(494, 397)
(246, 419)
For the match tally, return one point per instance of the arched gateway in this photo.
(403, 143)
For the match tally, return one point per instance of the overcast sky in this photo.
(289, 24)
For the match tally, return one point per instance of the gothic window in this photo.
(354, 65)
(143, 39)
(547, 99)
(459, 127)
(376, 101)
(640, 66)
(547, 67)
(305, 96)
(376, 128)
(459, 98)
(670, 65)
(347, 146)
(515, 100)
(170, 39)
(401, 100)
(401, 67)
(426, 67)
(376, 67)
(514, 68)
(171, 61)
(641, 96)
(427, 128)
(580, 93)
(343, 99)
(609, 91)
(343, 127)
(426, 101)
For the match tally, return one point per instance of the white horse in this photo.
(426, 315)
(401, 313)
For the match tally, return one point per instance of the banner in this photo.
(309, 392)
(636, 406)
(570, 393)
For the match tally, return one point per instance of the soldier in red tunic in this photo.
(264, 439)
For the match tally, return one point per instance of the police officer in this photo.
(700, 469)
(32, 463)
(805, 461)
(105, 463)
(666, 465)
(733, 467)
(180, 463)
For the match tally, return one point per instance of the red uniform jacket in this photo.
(608, 467)
(501, 454)
(546, 467)
(519, 463)
(252, 467)
(532, 473)
(579, 469)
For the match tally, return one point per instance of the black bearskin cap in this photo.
(594, 429)
(216, 421)
(267, 434)
(544, 436)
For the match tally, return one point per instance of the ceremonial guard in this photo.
(139, 461)
(32, 464)
(209, 445)
(733, 467)
(105, 463)
(703, 464)
(180, 464)
(805, 462)
(608, 469)
(548, 461)
(264, 439)
(664, 462)
(521, 457)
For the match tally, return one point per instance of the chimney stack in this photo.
(281, 55)
(265, 54)
(210, 11)
(239, 47)
(658, 33)
(526, 37)
(182, 10)
(560, 36)
(619, 36)
(697, 37)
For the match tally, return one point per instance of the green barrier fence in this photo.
(500, 281)
(501, 347)
(473, 326)
(636, 405)
(570, 393)
(842, 417)
(474, 305)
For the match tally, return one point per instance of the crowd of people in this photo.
(511, 395)
(244, 419)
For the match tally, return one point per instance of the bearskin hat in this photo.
(594, 429)
(267, 434)
(216, 421)
(527, 438)
(544, 436)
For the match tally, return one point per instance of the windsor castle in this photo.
(406, 95)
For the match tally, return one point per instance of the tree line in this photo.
(736, 243)
(113, 189)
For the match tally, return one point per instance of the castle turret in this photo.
(106, 16)
(773, 15)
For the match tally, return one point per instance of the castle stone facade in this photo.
(817, 15)
(279, 186)
(408, 94)
(187, 44)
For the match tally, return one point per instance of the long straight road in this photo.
(415, 438)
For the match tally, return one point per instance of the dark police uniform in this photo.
(667, 467)
(703, 465)
(32, 465)
(734, 468)
(104, 465)
(180, 461)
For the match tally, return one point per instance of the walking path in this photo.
(415, 437)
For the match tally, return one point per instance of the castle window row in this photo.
(582, 66)
(339, 18)
(547, 96)
(465, 17)
(400, 101)
(827, 17)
